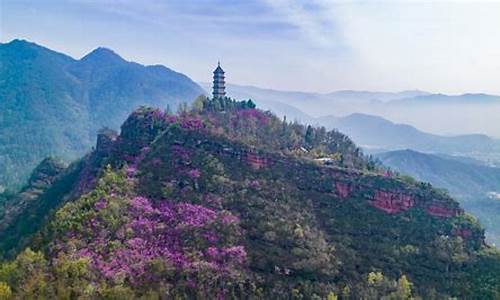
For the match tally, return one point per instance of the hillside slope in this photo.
(475, 185)
(229, 201)
(53, 105)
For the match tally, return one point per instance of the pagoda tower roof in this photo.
(218, 69)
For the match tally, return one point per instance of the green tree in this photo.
(309, 135)
(375, 277)
(199, 103)
(331, 296)
(182, 108)
(5, 291)
(404, 288)
(72, 278)
(251, 104)
(27, 275)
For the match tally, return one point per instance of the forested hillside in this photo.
(228, 201)
(53, 105)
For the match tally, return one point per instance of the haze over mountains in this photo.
(375, 133)
(372, 132)
(435, 113)
(52, 104)
(462, 177)
(304, 105)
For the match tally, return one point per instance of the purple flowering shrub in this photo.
(135, 161)
(191, 122)
(186, 120)
(178, 168)
(253, 113)
(134, 241)
(251, 126)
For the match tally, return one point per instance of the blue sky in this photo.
(314, 45)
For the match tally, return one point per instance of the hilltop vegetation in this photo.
(227, 201)
(53, 105)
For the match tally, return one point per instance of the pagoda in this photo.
(219, 89)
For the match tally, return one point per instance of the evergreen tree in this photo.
(250, 104)
(309, 136)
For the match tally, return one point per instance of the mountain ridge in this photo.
(53, 105)
(361, 126)
(466, 98)
(477, 109)
(379, 133)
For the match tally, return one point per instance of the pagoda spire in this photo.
(219, 85)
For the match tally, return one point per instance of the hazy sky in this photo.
(310, 45)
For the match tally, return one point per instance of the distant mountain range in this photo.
(467, 113)
(447, 99)
(296, 97)
(52, 104)
(341, 102)
(375, 96)
(461, 177)
(376, 133)
(347, 98)
(476, 186)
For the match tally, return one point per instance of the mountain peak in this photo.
(20, 50)
(102, 55)
(20, 44)
(367, 117)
